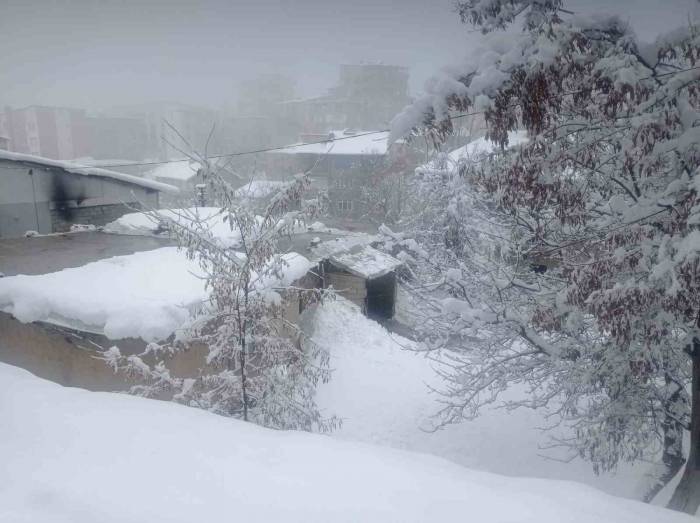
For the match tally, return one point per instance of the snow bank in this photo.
(82, 457)
(147, 295)
(381, 392)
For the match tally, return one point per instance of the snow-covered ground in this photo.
(71, 456)
(380, 389)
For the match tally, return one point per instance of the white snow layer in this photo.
(87, 170)
(81, 457)
(360, 143)
(177, 170)
(147, 223)
(381, 391)
(473, 151)
(147, 295)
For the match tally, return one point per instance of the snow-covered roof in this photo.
(344, 143)
(343, 241)
(181, 171)
(148, 223)
(147, 295)
(86, 171)
(473, 151)
(365, 261)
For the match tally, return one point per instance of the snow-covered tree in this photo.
(594, 300)
(260, 366)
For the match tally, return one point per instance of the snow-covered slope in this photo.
(380, 389)
(71, 456)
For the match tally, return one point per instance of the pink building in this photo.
(52, 132)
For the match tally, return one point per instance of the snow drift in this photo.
(80, 457)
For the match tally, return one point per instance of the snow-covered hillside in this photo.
(380, 389)
(71, 456)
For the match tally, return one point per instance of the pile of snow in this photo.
(259, 188)
(147, 295)
(147, 223)
(380, 389)
(81, 457)
(344, 143)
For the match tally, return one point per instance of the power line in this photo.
(333, 140)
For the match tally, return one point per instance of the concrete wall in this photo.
(50, 200)
(71, 357)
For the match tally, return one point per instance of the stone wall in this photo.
(63, 217)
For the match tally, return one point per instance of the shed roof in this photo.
(86, 171)
(365, 143)
(365, 261)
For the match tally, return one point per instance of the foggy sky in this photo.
(97, 54)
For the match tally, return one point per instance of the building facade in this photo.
(367, 96)
(46, 196)
(59, 133)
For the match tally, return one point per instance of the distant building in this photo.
(52, 132)
(120, 138)
(343, 166)
(367, 96)
(45, 195)
(194, 124)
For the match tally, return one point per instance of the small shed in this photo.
(365, 276)
(45, 195)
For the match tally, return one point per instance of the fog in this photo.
(94, 54)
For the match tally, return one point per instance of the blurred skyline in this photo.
(98, 54)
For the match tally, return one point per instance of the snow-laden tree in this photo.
(260, 366)
(594, 302)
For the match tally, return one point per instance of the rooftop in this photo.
(365, 261)
(344, 142)
(85, 170)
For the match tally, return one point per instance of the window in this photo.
(343, 183)
(344, 205)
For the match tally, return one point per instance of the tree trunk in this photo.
(243, 384)
(686, 497)
(672, 458)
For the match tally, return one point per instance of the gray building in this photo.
(43, 195)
